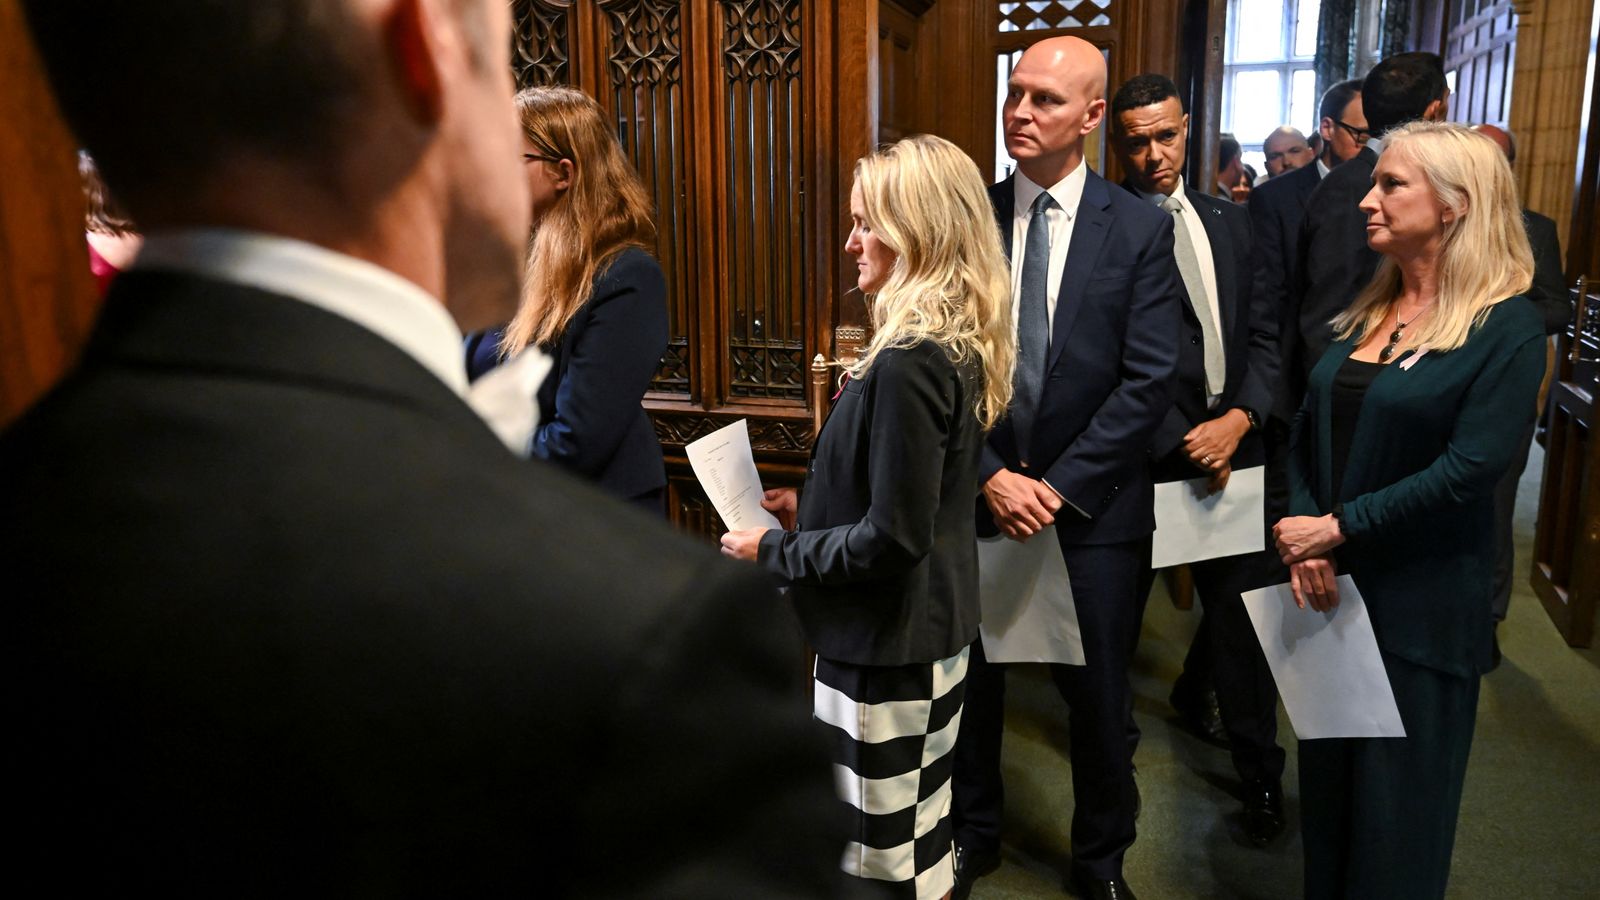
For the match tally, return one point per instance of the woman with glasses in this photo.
(884, 559)
(1410, 419)
(593, 297)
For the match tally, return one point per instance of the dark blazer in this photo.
(1277, 211)
(1113, 348)
(591, 422)
(1249, 339)
(1549, 292)
(884, 561)
(1334, 261)
(1418, 490)
(285, 617)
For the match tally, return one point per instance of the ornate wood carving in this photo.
(644, 76)
(781, 435)
(764, 218)
(541, 44)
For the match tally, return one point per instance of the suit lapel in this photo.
(1088, 236)
(1003, 197)
(1221, 257)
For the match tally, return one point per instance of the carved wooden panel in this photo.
(644, 80)
(764, 214)
(541, 41)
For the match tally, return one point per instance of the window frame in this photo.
(1285, 63)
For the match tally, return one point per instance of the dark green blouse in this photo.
(1430, 443)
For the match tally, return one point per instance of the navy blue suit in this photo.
(1277, 210)
(1225, 652)
(1113, 346)
(591, 422)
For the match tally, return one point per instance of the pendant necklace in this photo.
(1396, 336)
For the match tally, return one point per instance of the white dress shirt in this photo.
(1067, 193)
(1202, 254)
(1322, 169)
(371, 296)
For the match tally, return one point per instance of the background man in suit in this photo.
(1227, 366)
(1285, 150)
(319, 630)
(1550, 296)
(1333, 261)
(1097, 319)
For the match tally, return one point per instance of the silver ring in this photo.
(1206, 460)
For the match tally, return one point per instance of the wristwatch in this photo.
(1255, 421)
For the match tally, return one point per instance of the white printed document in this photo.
(726, 469)
(1191, 526)
(1028, 613)
(1327, 665)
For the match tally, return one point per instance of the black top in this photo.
(884, 562)
(1350, 385)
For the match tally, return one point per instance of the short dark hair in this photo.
(161, 90)
(1140, 91)
(1399, 89)
(1227, 151)
(1335, 99)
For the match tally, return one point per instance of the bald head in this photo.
(1501, 137)
(1286, 150)
(1054, 99)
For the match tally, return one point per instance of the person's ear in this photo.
(1325, 128)
(1437, 111)
(410, 42)
(565, 170)
(1093, 114)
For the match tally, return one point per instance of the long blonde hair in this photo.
(949, 283)
(1484, 256)
(604, 211)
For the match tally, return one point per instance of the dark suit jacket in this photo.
(1334, 261)
(285, 617)
(1249, 339)
(884, 562)
(1277, 210)
(590, 418)
(1113, 347)
(1549, 292)
(1430, 444)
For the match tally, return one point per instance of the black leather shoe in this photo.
(1200, 715)
(972, 864)
(1263, 811)
(1102, 889)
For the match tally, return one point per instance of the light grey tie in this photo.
(1189, 268)
(1033, 325)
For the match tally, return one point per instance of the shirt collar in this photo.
(391, 307)
(1375, 144)
(1177, 192)
(1068, 192)
(1322, 168)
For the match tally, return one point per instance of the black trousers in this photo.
(1378, 815)
(1226, 654)
(1105, 582)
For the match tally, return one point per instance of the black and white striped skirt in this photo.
(893, 732)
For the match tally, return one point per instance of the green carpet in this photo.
(1530, 820)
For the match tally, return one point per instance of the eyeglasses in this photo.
(534, 157)
(1359, 135)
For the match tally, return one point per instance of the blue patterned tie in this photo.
(1033, 324)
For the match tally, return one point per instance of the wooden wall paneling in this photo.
(1547, 90)
(542, 41)
(639, 65)
(48, 300)
(1583, 248)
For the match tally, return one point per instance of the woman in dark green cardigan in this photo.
(1409, 420)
